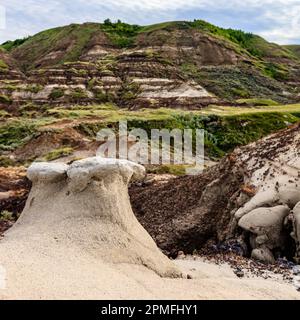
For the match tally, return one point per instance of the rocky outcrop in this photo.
(9, 70)
(133, 79)
(251, 197)
(191, 45)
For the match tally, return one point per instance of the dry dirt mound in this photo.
(184, 213)
(14, 189)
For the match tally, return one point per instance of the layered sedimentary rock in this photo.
(78, 217)
(134, 79)
(9, 70)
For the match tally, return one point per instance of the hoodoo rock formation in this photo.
(77, 221)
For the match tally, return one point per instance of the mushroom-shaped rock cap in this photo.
(82, 171)
(46, 171)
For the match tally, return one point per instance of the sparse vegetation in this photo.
(176, 170)
(77, 94)
(258, 102)
(5, 99)
(6, 216)
(34, 88)
(9, 45)
(120, 33)
(15, 133)
(58, 153)
(56, 93)
(6, 161)
(3, 66)
(234, 83)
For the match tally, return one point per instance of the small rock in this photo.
(296, 270)
(180, 255)
(239, 273)
(296, 283)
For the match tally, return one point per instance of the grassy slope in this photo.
(226, 127)
(123, 35)
(71, 39)
(294, 48)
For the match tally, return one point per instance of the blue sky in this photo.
(277, 21)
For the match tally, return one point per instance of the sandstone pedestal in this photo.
(78, 229)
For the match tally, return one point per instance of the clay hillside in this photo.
(173, 64)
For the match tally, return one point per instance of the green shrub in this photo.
(129, 91)
(34, 88)
(240, 92)
(93, 83)
(101, 97)
(15, 133)
(9, 45)
(5, 99)
(276, 71)
(78, 94)
(121, 34)
(6, 216)
(56, 93)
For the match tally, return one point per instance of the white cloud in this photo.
(277, 20)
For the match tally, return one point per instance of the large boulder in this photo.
(266, 228)
(296, 229)
(265, 222)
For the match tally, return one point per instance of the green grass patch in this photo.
(16, 132)
(258, 102)
(177, 170)
(77, 94)
(3, 66)
(225, 127)
(58, 153)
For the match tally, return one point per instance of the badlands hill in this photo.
(173, 64)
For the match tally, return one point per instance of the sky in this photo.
(276, 20)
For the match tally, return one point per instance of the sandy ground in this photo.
(32, 275)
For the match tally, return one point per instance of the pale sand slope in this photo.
(82, 276)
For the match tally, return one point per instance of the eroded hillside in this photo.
(176, 64)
